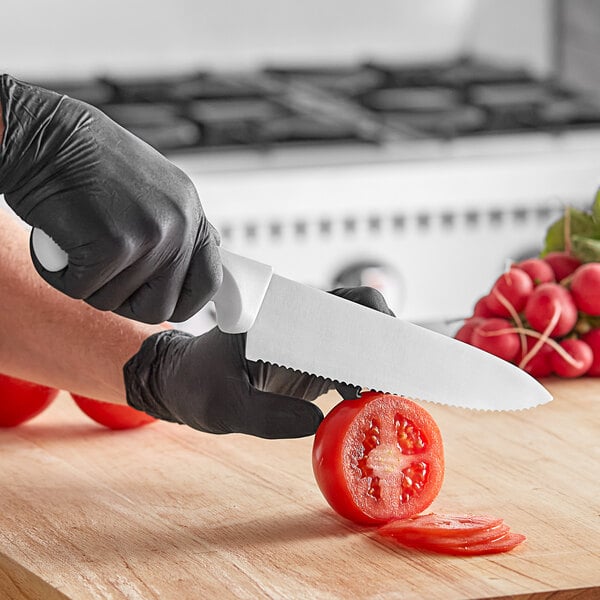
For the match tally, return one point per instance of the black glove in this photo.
(207, 383)
(131, 222)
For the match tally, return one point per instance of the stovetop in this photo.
(372, 104)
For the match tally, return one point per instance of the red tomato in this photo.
(114, 416)
(22, 400)
(459, 535)
(378, 457)
(439, 525)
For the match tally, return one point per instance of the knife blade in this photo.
(308, 330)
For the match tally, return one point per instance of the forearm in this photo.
(52, 339)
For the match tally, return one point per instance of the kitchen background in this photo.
(416, 147)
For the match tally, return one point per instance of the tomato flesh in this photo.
(440, 525)
(457, 535)
(378, 457)
(22, 400)
(113, 416)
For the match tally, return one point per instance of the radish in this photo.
(496, 337)
(562, 263)
(466, 331)
(592, 339)
(538, 365)
(551, 301)
(585, 287)
(539, 270)
(512, 288)
(582, 356)
(482, 309)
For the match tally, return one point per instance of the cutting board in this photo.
(167, 512)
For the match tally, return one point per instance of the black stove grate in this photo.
(370, 103)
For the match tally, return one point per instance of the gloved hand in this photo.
(207, 383)
(131, 222)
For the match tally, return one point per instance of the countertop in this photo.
(167, 512)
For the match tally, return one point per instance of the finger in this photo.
(287, 382)
(154, 301)
(366, 296)
(274, 416)
(348, 392)
(201, 282)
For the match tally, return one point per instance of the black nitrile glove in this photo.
(131, 222)
(207, 383)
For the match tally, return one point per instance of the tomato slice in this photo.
(22, 400)
(459, 535)
(378, 457)
(440, 525)
(502, 542)
(113, 416)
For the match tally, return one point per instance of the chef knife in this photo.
(306, 329)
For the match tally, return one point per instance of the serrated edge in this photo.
(413, 398)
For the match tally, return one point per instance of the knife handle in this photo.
(51, 256)
(238, 300)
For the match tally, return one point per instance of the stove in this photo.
(422, 180)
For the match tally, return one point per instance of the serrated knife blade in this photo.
(310, 330)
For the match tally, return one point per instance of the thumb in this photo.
(274, 416)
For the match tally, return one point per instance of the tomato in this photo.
(459, 535)
(114, 416)
(439, 525)
(22, 400)
(378, 457)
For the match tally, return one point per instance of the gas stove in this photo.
(421, 180)
(373, 104)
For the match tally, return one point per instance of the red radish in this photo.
(546, 300)
(592, 339)
(515, 287)
(585, 287)
(562, 263)
(582, 355)
(482, 309)
(539, 364)
(503, 345)
(466, 331)
(539, 270)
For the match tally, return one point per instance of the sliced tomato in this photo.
(439, 525)
(502, 543)
(459, 535)
(378, 457)
(113, 416)
(22, 400)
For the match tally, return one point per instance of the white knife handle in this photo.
(238, 300)
(51, 256)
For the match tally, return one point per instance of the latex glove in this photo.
(131, 222)
(207, 383)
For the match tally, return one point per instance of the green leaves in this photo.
(578, 231)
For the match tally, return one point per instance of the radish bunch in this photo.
(543, 315)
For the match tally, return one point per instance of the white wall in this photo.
(66, 37)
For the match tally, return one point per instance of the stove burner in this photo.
(371, 103)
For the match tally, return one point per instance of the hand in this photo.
(131, 222)
(207, 383)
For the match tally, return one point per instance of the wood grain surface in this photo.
(167, 512)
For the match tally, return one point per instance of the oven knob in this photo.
(382, 277)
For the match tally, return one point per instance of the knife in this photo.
(306, 329)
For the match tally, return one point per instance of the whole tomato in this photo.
(22, 400)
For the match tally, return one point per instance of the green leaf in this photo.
(582, 224)
(596, 207)
(586, 249)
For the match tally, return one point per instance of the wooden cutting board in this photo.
(167, 512)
